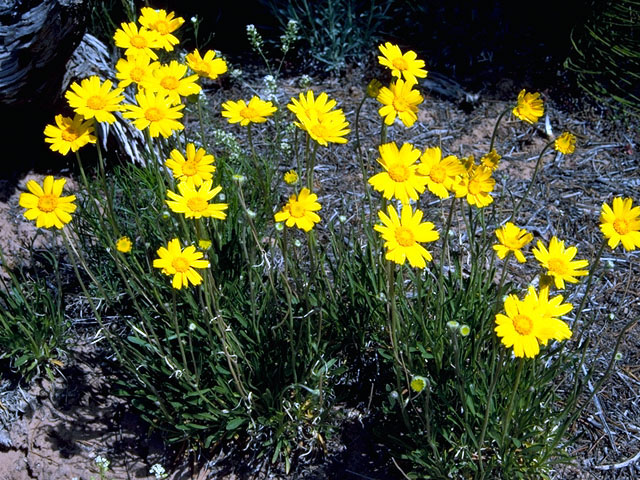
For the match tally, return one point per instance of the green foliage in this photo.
(606, 53)
(335, 31)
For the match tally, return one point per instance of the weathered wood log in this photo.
(37, 39)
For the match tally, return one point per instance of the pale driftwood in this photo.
(36, 40)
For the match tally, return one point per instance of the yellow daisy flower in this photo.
(529, 108)
(406, 65)
(170, 80)
(476, 186)
(155, 112)
(439, 172)
(256, 111)
(558, 262)
(69, 134)
(491, 160)
(331, 127)
(300, 211)
(195, 169)
(307, 105)
(193, 202)
(163, 23)
(552, 328)
(403, 236)
(124, 244)
(180, 263)
(137, 69)
(205, 244)
(521, 327)
(621, 223)
(93, 99)
(400, 179)
(291, 177)
(207, 66)
(137, 41)
(45, 204)
(418, 383)
(512, 239)
(399, 100)
(565, 143)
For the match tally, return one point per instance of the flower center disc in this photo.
(557, 266)
(153, 114)
(170, 83)
(400, 63)
(401, 105)
(69, 135)
(96, 102)
(399, 172)
(474, 187)
(523, 324)
(404, 236)
(437, 174)
(138, 41)
(181, 264)
(136, 74)
(161, 26)
(297, 210)
(248, 113)
(189, 168)
(197, 204)
(320, 131)
(47, 203)
(202, 68)
(621, 226)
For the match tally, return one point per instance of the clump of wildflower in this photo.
(180, 263)
(406, 64)
(163, 23)
(255, 39)
(46, 205)
(229, 142)
(196, 168)
(69, 134)
(289, 37)
(124, 244)
(512, 240)
(621, 223)
(399, 100)
(529, 107)
(559, 262)
(291, 177)
(565, 143)
(400, 179)
(404, 234)
(94, 99)
(208, 66)
(300, 211)
(158, 470)
(256, 111)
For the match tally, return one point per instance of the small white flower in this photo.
(279, 226)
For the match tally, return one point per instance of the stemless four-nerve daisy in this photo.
(621, 223)
(403, 235)
(156, 112)
(124, 244)
(399, 180)
(440, 173)
(521, 327)
(207, 66)
(529, 107)
(193, 202)
(552, 328)
(291, 177)
(512, 239)
(307, 105)
(162, 22)
(137, 69)
(559, 262)
(491, 160)
(330, 128)
(170, 79)
(256, 111)
(69, 134)
(196, 168)
(476, 186)
(565, 143)
(45, 204)
(399, 100)
(300, 211)
(94, 99)
(137, 41)
(180, 263)
(406, 64)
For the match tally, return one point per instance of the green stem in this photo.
(533, 179)
(583, 302)
(514, 392)
(495, 128)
